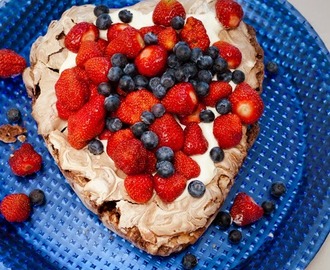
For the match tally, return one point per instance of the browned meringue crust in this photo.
(108, 211)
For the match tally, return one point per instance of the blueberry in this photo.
(272, 67)
(125, 16)
(167, 80)
(115, 73)
(190, 69)
(126, 83)
(217, 154)
(130, 69)
(105, 89)
(159, 91)
(13, 115)
(196, 188)
(223, 106)
(112, 103)
(183, 53)
(173, 61)
(37, 197)
(119, 60)
(95, 147)
(179, 44)
(268, 207)
(219, 65)
(140, 81)
(181, 75)
(213, 51)
(103, 21)
(202, 89)
(235, 236)
(153, 83)
(158, 110)
(138, 129)
(238, 76)
(205, 62)
(223, 220)
(150, 38)
(205, 75)
(177, 22)
(149, 139)
(101, 9)
(225, 76)
(113, 124)
(196, 53)
(206, 116)
(147, 117)
(189, 261)
(277, 189)
(165, 168)
(164, 153)
(193, 82)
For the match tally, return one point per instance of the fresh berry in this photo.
(130, 69)
(103, 21)
(246, 103)
(150, 38)
(182, 51)
(164, 153)
(165, 168)
(95, 147)
(100, 9)
(213, 52)
(167, 79)
(225, 76)
(166, 10)
(147, 117)
(139, 187)
(230, 53)
(177, 22)
(277, 189)
(126, 83)
(238, 76)
(102, 44)
(205, 75)
(206, 116)
(97, 69)
(139, 128)
(227, 129)
(14, 115)
(205, 62)
(37, 197)
(181, 99)
(119, 137)
(189, 261)
(194, 34)
(194, 142)
(151, 61)
(62, 111)
(223, 106)
(219, 64)
(88, 49)
(272, 67)
(235, 236)
(115, 29)
(223, 220)
(115, 73)
(149, 139)
(105, 89)
(202, 89)
(217, 154)
(168, 189)
(80, 32)
(229, 13)
(140, 81)
(158, 110)
(11, 63)
(105, 134)
(168, 38)
(151, 162)
(113, 124)
(268, 207)
(245, 210)
(16, 207)
(194, 117)
(125, 16)
(196, 188)
(112, 102)
(155, 29)
(185, 165)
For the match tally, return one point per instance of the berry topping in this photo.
(235, 236)
(149, 140)
(125, 16)
(217, 154)
(168, 38)
(112, 102)
(206, 116)
(147, 117)
(97, 69)
(277, 189)
(238, 76)
(37, 197)
(165, 169)
(95, 147)
(113, 124)
(194, 142)
(229, 13)
(115, 29)
(139, 128)
(223, 220)
(118, 138)
(100, 9)
(139, 187)
(164, 153)
(185, 165)
(230, 53)
(217, 91)
(103, 21)
(11, 63)
(196, 188)
(14, 115)
(119, 60)
(87, 50)
(177, 22)
(189, 261)
(268, 207)
(168, 189)
(16, 207)
(166, 10)
(158, 110)
(105, 89)
(223, 106)
(150, 38)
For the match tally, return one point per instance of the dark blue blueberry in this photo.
(37, 197)
(224, 76)
(165, 168)
(115, 73)
(179, 44)
(140, 81)
(125, 16)
(111, 103)
(154, 82)
(217, 154)
(183, 53)
(113, 124)
(238, 76)
(272, 67)
(189, 261)
(219, 65)
(159, 91)
(138, 128)
(173, 61)
(177, 22)
(119, 60)
(126, 83)
(278, 189)
(205, 75)
(130, 69)
(205, 62)
(167, 80)
(100, 9)
(223, 220)
(158, 110)
(104, 89)
(149, 139)
(181, 75)
(164, 153)
(268, 207)
(213, 51)
(235, 236)
(150, 38)
(13, 115)
(196, 53)
(196, 188)
(147, 117)
(202, 89)
(193, 82)
(103, 21)
(190, 69)
(95, 147)
(223, 106)
(206, 116)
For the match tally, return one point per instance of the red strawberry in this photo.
(103, 44)
(181, 99)
(169, 132)
(218, 90)
(117, 138)
(139, 187)
(194, 117)
(227, 129)
(88, 49)
(115, 29)
(106, 134)
(97, 69)
(16, 207)
(130, 156)
(246, 103)
(151, 61)
(62, 111)
(168, 38)
(229, 13)
(168, 189)
(153, 29)
(194, 33)
(245, 210)
(80, 32)
(230, 53)
(93, 90)
(128, 42)
(185, 165)
(166, 10)
(134, 105)
(194, 140)
(11, 63)
(151, 162)
(25, 160)
(87, 123)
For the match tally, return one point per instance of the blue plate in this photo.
(293, 147)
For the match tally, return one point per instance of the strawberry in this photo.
(169, 132)
(97, 69)
(151, 162)
(134, 105)
(11, 63)
(246, 103)
(194, 33)
(128, 42)
(181, 99)
(88, 49)
(16, 207)
(229, 13)
(166, 10)
(103, 44)
(194, 117)
(80, 32)
(194, 140)
(62, 111)
(93, 89)
(130, 156)
(185, 165)
(230, 53)
(217, 90)
(25, 160)
(168, 189)
(227, 129)
(115, 29)
(87, 123)
(245, 210)
(106, 134)
(151, 61)
(139, 187)
(117, 138)
(156, 29)
(168, 38)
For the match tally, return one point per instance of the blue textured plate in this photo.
(293, 147)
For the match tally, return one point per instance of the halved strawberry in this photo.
(168, 189)
(185, 165)
(115, 29)
(229, 13)
(230, 53)
(97, 69)
(194, 117)
(88, 49)
(168, 38)
(246, 103)
(245, 210)
(194, 140)
(139, 187)
(166, 10)
(155, 29)
(217, 90)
